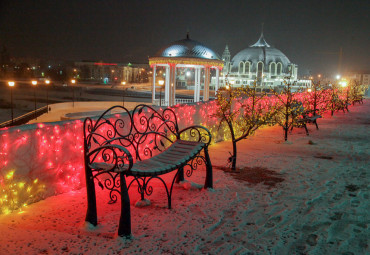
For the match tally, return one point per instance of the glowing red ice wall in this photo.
(40, 160)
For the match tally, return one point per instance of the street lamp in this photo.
(34, 83)
(160, 82)
(73, 81)
(47, 82)
(11, 85)
(231, 82)
(123, 93)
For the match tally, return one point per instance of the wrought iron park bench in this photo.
(133, 148)
(303, 117)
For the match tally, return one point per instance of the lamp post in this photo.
(232, 82)
(123, 93)
(11, 85)
(47, 82)
(34, 83)
(160, 82)
(73, 81)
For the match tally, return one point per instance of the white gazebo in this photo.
(185, 53)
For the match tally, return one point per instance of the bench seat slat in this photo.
(176, 153)
(172, 158)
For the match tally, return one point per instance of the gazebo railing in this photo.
(184, 100)
(163, 102)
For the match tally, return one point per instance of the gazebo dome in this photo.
(187, 48)
(261, 51)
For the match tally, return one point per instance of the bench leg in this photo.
(124, 228)
(180, 175)
(305, 128)
(317, 126)
(142, 194)
(209, 176)
(91, 214)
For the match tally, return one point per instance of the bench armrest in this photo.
(113, 156)
(195, 133)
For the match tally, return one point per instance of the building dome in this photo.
(187, 48)
(261, 51)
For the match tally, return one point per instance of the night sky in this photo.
(310, 33)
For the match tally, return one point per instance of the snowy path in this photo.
(321, 206)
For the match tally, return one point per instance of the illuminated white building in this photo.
(260, 63)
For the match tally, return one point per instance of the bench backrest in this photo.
(144, 132)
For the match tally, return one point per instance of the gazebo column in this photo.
(153, 90)
(172, 100)
(167, 87)
(217, 80)
(207, 74)
(197, 84)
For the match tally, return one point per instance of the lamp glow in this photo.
(343, 83)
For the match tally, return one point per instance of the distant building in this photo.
(260, 63)
(362, 77)
(109, 73)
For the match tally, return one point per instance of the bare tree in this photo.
(244, 110)
(289, 108)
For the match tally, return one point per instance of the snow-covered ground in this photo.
(314, 200)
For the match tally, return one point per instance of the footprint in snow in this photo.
(273, 221)
(337, 196)
(311, 239)
(355, 203)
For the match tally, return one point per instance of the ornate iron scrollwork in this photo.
(117, 141)
(192, 165)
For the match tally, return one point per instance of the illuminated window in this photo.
(279, 67)
(247, 67)
(259, 70)
(273, 69)
(241, 68)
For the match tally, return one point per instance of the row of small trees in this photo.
(244, 110)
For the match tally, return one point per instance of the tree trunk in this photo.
(315, 104)
(233, 156)
(285, 134)
(286, 129)
(233, 166)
